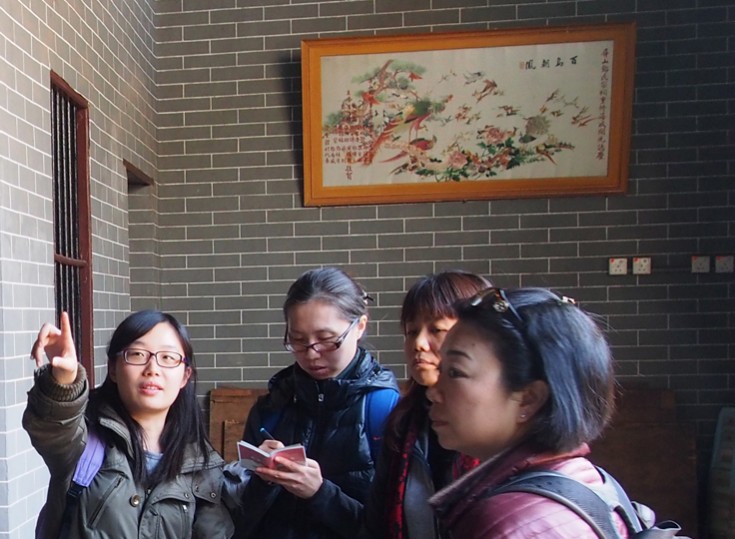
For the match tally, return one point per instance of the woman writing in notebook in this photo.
(159, 476)
(321, 401)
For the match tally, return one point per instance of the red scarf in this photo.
(398, 474)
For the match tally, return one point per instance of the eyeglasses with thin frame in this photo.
(318, 346)
(164, 358)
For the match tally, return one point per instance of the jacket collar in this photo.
(193, 459)
(451, 501)
(293, 383)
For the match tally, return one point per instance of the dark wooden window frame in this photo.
(81, 320)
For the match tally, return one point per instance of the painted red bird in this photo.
(406, 121)
(420, 144)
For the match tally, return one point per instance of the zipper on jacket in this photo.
(314, 441)
(185, 523)
(104, 499)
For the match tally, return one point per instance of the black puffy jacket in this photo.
(328, 417)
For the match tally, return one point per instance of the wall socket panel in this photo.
(724, 263)
(700, 264)
(617, 266)
(641, 265)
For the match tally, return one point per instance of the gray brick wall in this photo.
(241, 76)
(205, 98)
(104, 51)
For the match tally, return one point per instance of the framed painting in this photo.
(524, 112)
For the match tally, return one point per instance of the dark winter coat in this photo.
(424, 476)
(114, 505)
(328, 417)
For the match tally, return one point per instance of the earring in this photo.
(523, 416)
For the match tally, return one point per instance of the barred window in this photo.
(72, 241)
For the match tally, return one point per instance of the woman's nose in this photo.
(311, 353)
(151, 367)
(422, 340)
(433, 394)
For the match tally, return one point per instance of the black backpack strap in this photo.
(576, 496)
(625, 507)
(72, 501)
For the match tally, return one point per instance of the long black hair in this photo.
(185, 419)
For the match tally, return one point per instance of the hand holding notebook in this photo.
(252, 457)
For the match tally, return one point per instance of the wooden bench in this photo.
(646, 449)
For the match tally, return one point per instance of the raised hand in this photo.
(58, 346)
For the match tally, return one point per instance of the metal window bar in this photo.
(66, 211)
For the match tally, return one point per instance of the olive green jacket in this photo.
(114, 505)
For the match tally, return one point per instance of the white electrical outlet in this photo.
(642, 265)
(700, 264)
(724, 264)
(617, 266)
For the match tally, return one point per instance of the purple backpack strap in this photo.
(91, 460)
(89, 464)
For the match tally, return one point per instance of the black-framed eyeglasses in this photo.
(164, 358)
(318, 346)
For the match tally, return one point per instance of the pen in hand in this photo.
(266, 435)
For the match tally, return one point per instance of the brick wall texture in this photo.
(205, 98)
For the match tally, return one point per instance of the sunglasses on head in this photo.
(496, 299)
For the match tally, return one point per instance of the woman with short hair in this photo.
(526, 383)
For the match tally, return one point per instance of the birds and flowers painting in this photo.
(418, 117)
(453, 116)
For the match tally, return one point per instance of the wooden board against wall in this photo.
(228, 409)
(652, 455)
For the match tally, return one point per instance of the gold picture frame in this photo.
(508, 113)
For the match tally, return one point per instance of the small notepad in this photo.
(252, 457)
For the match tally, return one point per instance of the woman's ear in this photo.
(362, 326)
(111, 374)
(533, 398)
(185, 379)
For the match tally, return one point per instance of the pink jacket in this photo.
(465, 512)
